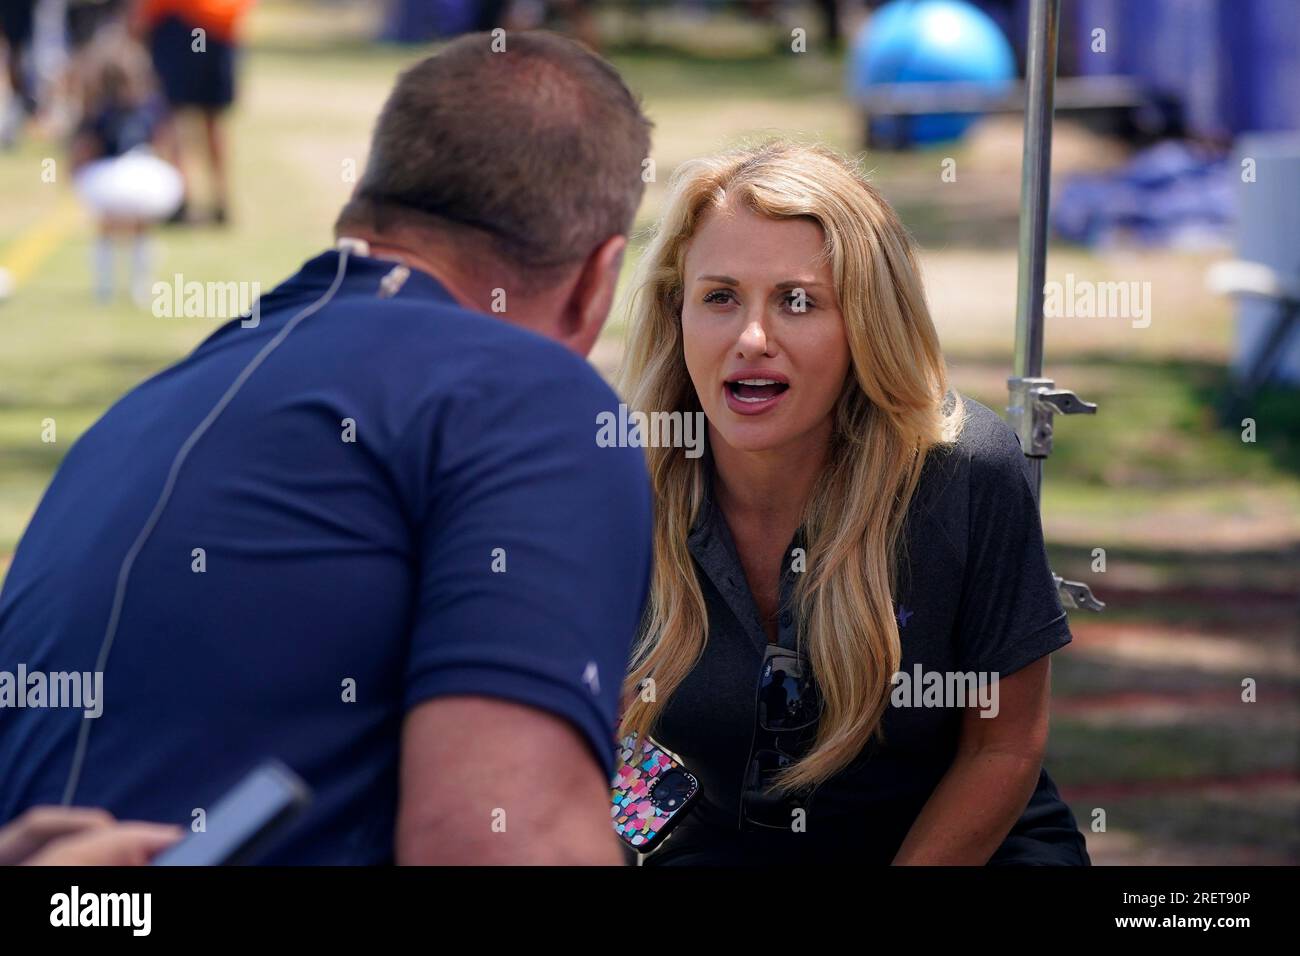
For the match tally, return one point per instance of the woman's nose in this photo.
(753, 338)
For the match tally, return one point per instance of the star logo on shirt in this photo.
(904, 615)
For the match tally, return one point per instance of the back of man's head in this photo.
(534, 152)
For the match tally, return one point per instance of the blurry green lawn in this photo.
(1201, 531)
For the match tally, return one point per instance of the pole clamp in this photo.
(1033, 403)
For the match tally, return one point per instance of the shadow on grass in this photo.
(1207, 583)
(1082, 754)
(1211, 823)
(1086, 675)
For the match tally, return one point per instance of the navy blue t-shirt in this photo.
(405, 500)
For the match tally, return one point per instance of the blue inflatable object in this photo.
(927, 41)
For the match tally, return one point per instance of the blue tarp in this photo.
(1172, 194)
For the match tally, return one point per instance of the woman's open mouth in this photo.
(751, 394)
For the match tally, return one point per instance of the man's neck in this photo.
(448, 277)
(491, 294)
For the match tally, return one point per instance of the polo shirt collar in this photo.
(364, 274)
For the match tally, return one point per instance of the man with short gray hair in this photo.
(372, 534)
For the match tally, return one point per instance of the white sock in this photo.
(102, 256)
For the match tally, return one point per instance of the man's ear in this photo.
(592, 296)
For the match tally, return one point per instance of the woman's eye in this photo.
(798, 301)
(719, 296)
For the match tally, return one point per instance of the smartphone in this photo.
(650, 793)
(241, 823)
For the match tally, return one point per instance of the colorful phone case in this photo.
(641, 818)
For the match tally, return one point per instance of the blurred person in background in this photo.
(85, 18)
(195, 48)
(120, 158)
(17, 25)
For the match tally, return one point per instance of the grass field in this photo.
(1201, 531)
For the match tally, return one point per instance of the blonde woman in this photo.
(851, 608)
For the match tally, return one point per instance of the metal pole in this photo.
(1035, 186)
(1035, 399)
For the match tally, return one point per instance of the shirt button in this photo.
(786, 618)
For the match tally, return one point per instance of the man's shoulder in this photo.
(444, 348)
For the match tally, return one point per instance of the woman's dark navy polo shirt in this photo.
(975, 594)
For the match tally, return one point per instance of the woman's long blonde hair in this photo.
(890, 414)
